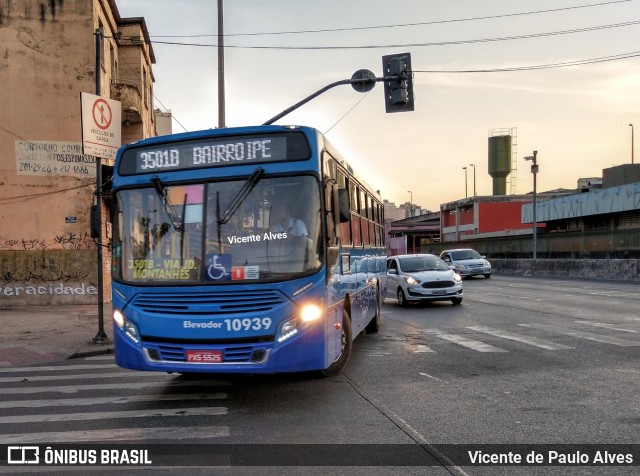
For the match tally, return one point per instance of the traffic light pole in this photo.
(362, 81)
(101, 336)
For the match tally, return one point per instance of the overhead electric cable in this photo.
(565, 64)
(402, 25)
(407, 45)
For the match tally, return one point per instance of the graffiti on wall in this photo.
(66, 241)
(50, 276)
(58, 289)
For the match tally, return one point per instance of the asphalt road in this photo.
(522, 361)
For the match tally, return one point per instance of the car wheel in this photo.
(374, 325)
(456, 301)
(347, 344)
(402, 300)
(487, 276)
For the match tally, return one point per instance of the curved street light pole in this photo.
(534, 171)
(466, 195)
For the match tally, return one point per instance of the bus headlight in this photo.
(287, 330)
(310, 312)
(307, 314)
(129, 329)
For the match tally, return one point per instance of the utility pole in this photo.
(221, 104)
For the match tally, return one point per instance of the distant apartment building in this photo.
(47, 58)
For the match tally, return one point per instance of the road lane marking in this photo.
(607, 326)
(169, 433)
(544, 344)
(516, 297)
(79, 402)
(56, 368)
(434, 378)
(420, 349)
(153, 413)
(111, 386)
(49, 378)
(463, 341)
(583, 335)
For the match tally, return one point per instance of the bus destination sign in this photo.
(214, 152)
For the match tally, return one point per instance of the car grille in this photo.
(438, 284)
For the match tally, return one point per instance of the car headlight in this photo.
(411, 281)
(487, 264)
(457, 278)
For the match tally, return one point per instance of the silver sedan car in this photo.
(467, 262)
(422, 277)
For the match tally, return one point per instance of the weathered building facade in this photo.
(48, 52)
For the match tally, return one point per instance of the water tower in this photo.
(501, 150)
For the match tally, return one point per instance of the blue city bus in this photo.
(242, 250)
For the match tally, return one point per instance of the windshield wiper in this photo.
(243, 193)
(182, 218)
(176, 221)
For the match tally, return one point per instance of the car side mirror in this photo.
(392, 271)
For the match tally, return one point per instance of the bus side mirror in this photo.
(343, 205)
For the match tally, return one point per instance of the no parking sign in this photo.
(101, 126)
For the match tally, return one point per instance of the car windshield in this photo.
(414, 264)
(252, 229)
(465, 254)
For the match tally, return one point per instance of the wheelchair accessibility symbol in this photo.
(218, 267)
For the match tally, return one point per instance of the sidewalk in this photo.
(40, 334)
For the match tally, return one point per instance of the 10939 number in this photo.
(246, 324)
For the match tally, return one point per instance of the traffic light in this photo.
(398, 82)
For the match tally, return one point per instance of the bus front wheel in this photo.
(347, 344)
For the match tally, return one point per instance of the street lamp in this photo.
(534, 171)
(474, 178)
(631, 143)
(465, 182)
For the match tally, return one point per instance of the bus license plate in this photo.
(204, 356)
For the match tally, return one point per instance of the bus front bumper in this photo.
(303, 352)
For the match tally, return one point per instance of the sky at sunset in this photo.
(564, 75)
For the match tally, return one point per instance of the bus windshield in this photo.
(254, 229)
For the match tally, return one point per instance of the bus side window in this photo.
(343, 204)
